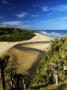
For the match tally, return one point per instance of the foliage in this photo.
(63, 87)
(15, 34)
(55, 57)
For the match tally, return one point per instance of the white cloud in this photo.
(21, 24)
(21, 15)
(63, 18)
(50, 13)
(59, 8)
(1, 17)
(10, 23)
(45, 8)
(54, 8)
(25, 26)
(34, 15)
(4, 2)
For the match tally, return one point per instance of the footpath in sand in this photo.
(26, 54)
(39, 41)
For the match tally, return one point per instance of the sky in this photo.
(34, 14)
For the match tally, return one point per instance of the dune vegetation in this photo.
(25, 67)
(23, 61)
(15, 34)
(39, 70)
(53, 63)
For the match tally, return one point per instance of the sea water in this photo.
(54, 33)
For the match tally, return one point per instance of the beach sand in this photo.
(42, 39)
(26, 58)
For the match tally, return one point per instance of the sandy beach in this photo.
(42, 39)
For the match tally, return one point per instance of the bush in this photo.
(12, 34)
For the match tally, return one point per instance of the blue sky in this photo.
(34, 14)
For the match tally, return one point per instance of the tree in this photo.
(20, 82)
(3, 64)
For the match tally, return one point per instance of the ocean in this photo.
(54, 33)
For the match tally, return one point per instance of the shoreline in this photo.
(45, 34)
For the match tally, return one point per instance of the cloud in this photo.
(54, 8)
(50, 13)
(26, 26)
(63, 18)
(45, 8)
(1, 17)
(34, 15)
(59, 8)
(42, 4)
(18, 24)
(4, 2)
(10, 23)
(21, 15)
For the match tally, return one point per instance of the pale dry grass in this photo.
(41, 46)
(1, 86)
(24, 59)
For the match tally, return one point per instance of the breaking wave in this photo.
(54, 34)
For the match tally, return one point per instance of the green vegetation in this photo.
(50, 72)
(21, 65)
(63, 87)
(54, 62)
(14, 34)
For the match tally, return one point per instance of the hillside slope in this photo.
(54, 61)
(24, 58)
(15, 34)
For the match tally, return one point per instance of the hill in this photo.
(23, 61)
(15, 34)
(52, 69)
(24, 57)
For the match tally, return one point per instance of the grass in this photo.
(24, 59)
(55, 56)
(15, 34)
(60, 86)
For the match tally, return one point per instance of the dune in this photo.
(25, 58)
(40, 37)
(4, 46)
(26, 55)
